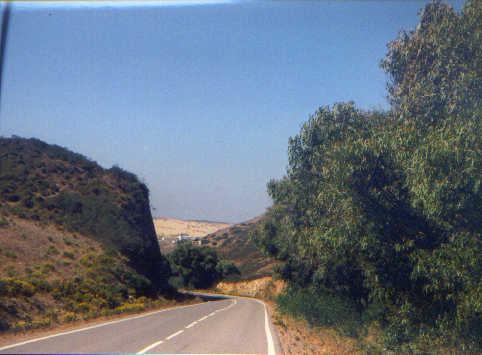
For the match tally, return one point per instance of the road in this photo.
(222, 325)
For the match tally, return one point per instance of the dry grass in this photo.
(26, 247)
(170, 227)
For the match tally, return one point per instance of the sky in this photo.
(198, 99)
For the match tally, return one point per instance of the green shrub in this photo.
(87, 260)
(81, 307)
(130, 307)
(10, 254)
(69, 317)
(52, 250)
(12, 287)
(4, 325)
(41, 323)
(3, 222)
(47, 268)
(40, 284)
(53, 314)
(321, 310)
(10, 270)
(68, 254)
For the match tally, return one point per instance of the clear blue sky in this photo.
(197, 100)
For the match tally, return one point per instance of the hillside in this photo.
(74, 238)
(234, 243)
(51, 185)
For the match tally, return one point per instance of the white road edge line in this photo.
(143, 351)
(174, 335)
(203, 318)
(94, 326)
(267, 329)
(192, 324)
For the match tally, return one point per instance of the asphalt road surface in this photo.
(222, 325)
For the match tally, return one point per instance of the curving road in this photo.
(222, 325)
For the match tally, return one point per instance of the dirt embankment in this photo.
(264, 287)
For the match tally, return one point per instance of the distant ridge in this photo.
(172, 227)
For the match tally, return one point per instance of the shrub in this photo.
(10, 254)
(69, 317)
(81, 307)
(321, 309)
(53, 314)
(87, 260)
(4, 325)
(3, 222)
(47, 268)
(52, 250)
(68, 254)
(130, 307)
(12, 287)
(11, 270)
(36, 324)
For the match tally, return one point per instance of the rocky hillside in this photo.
(51, 185)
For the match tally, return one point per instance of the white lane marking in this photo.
(175, 334)
(143, 351)
(95, 326)
(192, 324)
(211, 314)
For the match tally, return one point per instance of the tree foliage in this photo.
(198, 267)
(384, 207)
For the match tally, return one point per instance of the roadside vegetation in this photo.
(50, 277)
(377, 222)
(198, 267)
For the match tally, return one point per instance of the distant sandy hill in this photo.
(171, 227)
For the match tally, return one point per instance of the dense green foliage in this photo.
(198, 267)
(383, 209)
(50, 184)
